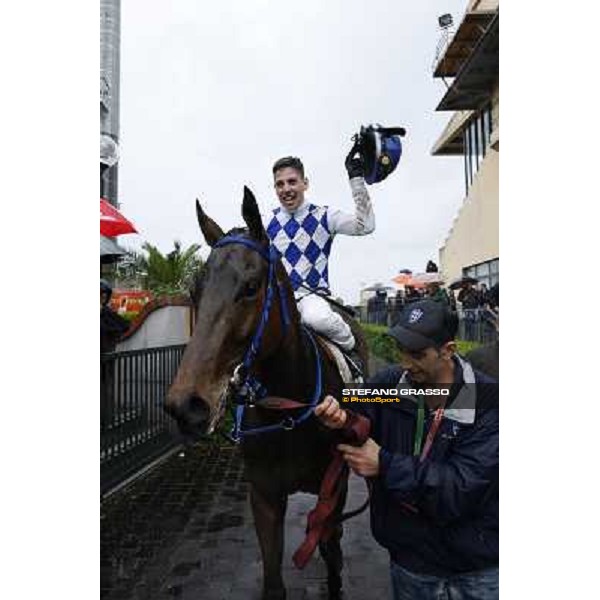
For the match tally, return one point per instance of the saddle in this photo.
(348, 365)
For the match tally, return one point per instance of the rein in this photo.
(245, 388)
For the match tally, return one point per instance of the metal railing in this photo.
(446, 36)
(383, 312)
(134, 429)
(472, 326)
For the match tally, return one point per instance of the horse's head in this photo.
(229, 302)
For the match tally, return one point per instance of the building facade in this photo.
(468, 62)
(110, 42)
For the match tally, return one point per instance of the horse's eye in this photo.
(250, 289)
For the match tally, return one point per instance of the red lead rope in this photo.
(437, 420)
(321, 519)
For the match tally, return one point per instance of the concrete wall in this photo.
(165, 326)
(474, 236)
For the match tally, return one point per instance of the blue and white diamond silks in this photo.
(304, 241)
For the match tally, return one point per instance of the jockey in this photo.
(303, 232)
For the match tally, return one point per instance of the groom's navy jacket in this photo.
(439, 516)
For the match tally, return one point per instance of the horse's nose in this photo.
(192, 413)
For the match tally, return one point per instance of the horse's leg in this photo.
(331, 551)
(269, 512)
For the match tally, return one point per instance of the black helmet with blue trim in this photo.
(381, 150)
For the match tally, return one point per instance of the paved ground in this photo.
(185, 531)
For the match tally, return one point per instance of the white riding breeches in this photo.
(317, 314)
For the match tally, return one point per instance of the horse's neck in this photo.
(290, 372)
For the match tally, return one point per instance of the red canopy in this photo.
(112, 222)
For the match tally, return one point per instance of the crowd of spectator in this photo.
(470, 297)
(473, 296)
(472, 300)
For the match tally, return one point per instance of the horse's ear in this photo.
(210, 230)
(252, 217)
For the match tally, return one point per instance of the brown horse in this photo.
(247, 323)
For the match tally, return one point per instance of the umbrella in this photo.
(110, 252)
(408, 280)
(415, 283)
(403, 278)
(112, 222)
(461, 282)
(431, 277)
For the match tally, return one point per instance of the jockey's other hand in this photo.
(330, 413)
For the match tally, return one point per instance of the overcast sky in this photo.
(212, 93)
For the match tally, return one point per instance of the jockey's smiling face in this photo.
(290, 187)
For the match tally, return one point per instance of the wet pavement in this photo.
(185, 531)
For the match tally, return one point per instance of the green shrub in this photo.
(383, 346)
(129, 315)
(380, 344)
(464, 346)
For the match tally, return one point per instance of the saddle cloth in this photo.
(338, 356)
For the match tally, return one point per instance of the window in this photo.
(476, 139)
(486, 122)
(487, 272)
(466, 165)
(483, 270)
(467, 158)
(482, 137)
(473, 152)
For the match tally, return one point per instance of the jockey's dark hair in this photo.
(289, 161)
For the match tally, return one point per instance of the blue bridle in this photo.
(248, 388)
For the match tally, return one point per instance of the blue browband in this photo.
(249, 388)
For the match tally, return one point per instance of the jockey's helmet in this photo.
(381, 149)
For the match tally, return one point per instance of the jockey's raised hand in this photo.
(354, 162)
(330, 413)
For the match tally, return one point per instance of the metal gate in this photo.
(134, 429)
